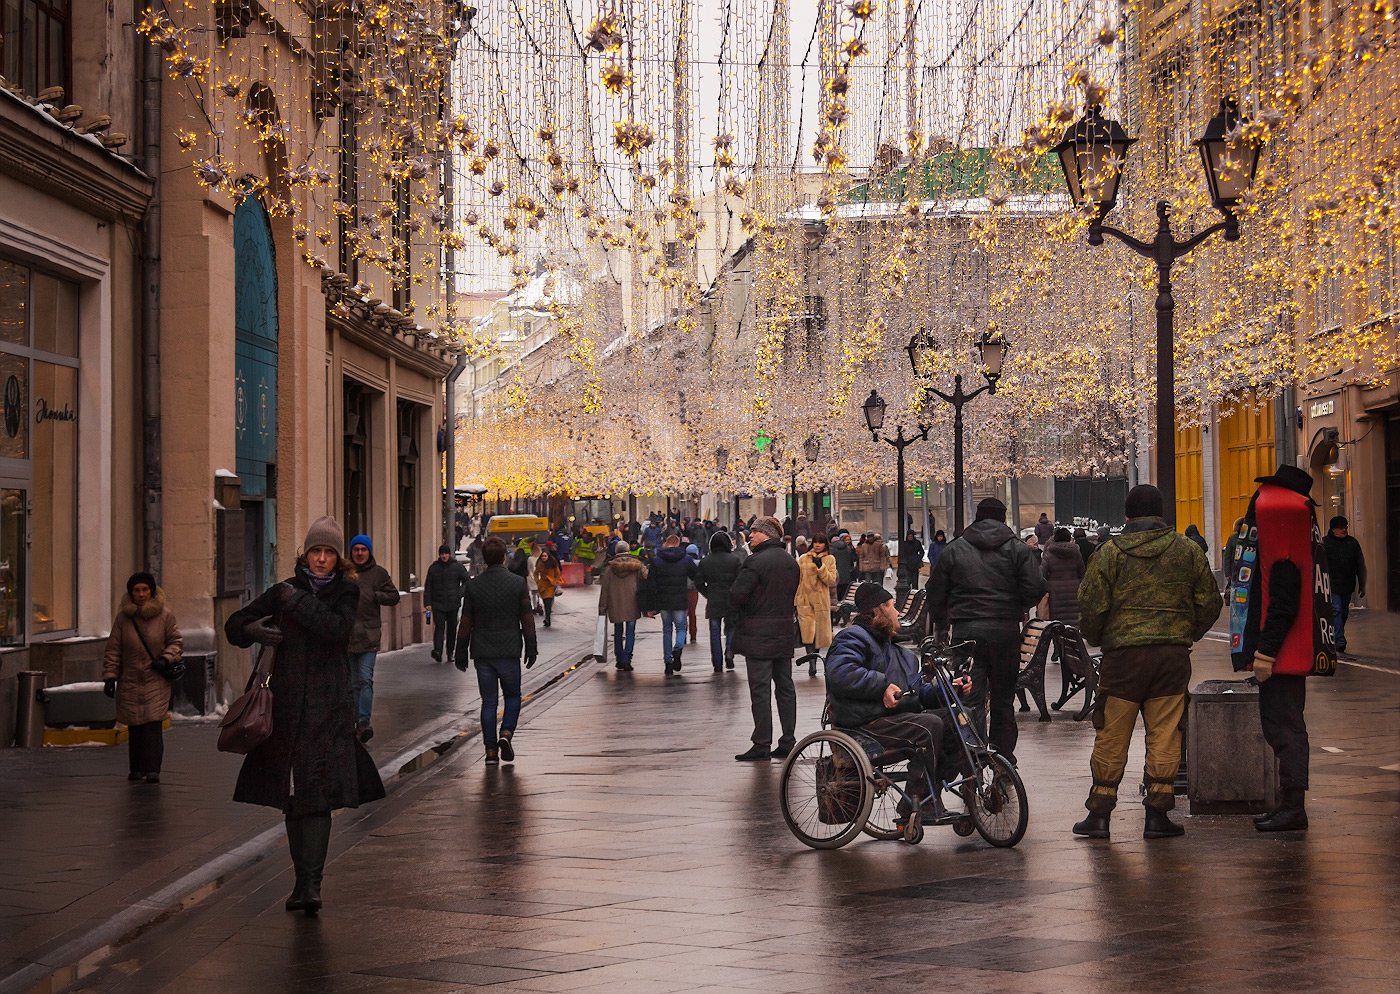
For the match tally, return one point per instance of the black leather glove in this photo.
(174, 671)
(531, 655)
(109, 687)
(264, 631)
(461, 661)
(817, 561)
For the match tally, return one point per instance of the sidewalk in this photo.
(625, 851)
(1373, 638)
(83, 844)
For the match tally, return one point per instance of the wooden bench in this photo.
(1079, 668)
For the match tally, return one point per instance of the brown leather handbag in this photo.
(248, 723)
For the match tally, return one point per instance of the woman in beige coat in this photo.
(815, 581)
(142, 659)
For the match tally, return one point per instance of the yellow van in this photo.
(511, 528)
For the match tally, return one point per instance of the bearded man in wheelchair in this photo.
(877, 690)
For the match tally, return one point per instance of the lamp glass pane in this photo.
(1069, 162)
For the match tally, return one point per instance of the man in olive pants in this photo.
(1147, 596)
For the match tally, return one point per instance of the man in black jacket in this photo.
(497, 623)
(443, 588)
(765, 595)
(669, 587)
(377, 589)
(713, 578)
(1346, 568)
(983, 584)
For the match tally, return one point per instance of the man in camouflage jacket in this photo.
(1147, 596)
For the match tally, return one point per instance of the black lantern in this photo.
(1092, 154)
(920, 349)
(812, 448)
(721, 459)
(993, 348)
(874, 408)
(1230, 161)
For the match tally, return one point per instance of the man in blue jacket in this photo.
(876, 686)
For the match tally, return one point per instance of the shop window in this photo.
(34, 43)
(13, 572)
(38, 453)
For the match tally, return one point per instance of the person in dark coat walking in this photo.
(765, 596)
(313, 762)
(497, 625)
(845, 555)
(985, 581)
(911, 559)
(443, 589)
(668, 581)
(377, 589)
(1044, 530)
(1084, 543)
(713, 578)
(1346, 567)
(1062, 565)
(141, 661)
(1194, 534)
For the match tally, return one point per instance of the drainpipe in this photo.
(449, 499)
(150, 308)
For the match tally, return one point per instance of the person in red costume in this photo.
(1281, 625)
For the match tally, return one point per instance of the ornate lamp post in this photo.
(721, 466)
(1092, 154)
(992, 348)
(811, 449)
(874, 411)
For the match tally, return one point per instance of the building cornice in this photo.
(357, 320)
(44, 154)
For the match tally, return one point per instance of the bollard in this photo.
(29, 724)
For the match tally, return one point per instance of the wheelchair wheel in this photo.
(826, 790)
(884, 808)
(998, 808)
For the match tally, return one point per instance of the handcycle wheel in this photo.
(998, 804)
(884, 808)
(826, 791)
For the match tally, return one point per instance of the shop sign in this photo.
(42, 413)
(1322, 408)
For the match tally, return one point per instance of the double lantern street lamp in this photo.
(811, 450)
(1092, 154)
(921, 347)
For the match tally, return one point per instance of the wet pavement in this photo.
(625, 851)
(82, 844)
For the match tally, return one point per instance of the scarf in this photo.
(318, 583)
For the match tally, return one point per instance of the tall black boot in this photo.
(1290, 817)
(1159, 826)
(295, 842)
(316, 840)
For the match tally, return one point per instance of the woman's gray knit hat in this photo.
(326, 531)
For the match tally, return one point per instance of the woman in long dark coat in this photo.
(313, 763)
(1062, 565)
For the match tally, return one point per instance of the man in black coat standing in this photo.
(982, 585)
(764, 595)
(443, 588)
(497, 624)
(1346, 567)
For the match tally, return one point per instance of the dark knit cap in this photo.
(990, 507)
(142, 577)
(869, 596)
(1337, 522)
(444, 550)
(1144, 501)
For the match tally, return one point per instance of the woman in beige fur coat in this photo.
(141, 661)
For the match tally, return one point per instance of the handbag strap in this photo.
(137, 627)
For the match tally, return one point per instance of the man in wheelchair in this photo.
(876, 689)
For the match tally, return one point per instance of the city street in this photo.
(625, 850)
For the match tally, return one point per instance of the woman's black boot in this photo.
(316, 841)
(295, 843)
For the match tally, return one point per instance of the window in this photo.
(1383, 279)
(34, 44)
(403, 208)
(348, 192)
(38, 451)
(356, 456)
(1328, 298)
(410, 421)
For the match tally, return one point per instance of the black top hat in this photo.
(1290, 478)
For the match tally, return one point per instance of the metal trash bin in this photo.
(193, 693)
(1232, 769)
(29, 723)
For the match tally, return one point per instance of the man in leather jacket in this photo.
(982, 586)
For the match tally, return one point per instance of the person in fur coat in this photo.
(140, 662)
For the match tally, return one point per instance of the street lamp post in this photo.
(874, 411)
(811, 450)
(993, 348)
(721, 466)
(1092, 154)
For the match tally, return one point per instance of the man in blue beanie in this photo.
(376, 588)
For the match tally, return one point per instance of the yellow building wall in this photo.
(1190, 481)
(1246, 452)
